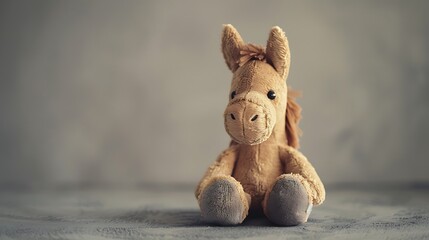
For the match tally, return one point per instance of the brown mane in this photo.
(293, 116)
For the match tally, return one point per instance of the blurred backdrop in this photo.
(127, 93)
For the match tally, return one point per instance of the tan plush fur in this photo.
(264, 131)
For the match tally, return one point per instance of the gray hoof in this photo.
(288, 203)
(220, 203)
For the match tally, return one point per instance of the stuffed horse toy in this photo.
(262, 171)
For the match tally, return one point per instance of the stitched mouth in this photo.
(261, 139)
(265, 134)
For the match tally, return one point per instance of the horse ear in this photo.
(278, 53)
(231, 45)
(293, 116)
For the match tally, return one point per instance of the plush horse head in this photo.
(259, 107)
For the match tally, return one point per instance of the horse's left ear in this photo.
(277, 52)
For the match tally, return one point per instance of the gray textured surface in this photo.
(153, 213)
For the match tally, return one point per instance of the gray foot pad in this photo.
(288, 203)
(220, 203)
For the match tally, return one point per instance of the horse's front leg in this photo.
(221, 198)
(290, 199)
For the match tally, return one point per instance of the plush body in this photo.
(262, 170)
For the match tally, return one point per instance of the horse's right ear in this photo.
(231, 45)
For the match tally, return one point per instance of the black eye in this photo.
(271, 95)
(233, 94)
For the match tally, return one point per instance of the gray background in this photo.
(128, 93)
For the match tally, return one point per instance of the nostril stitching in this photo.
(254, 118)
(232, 116)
